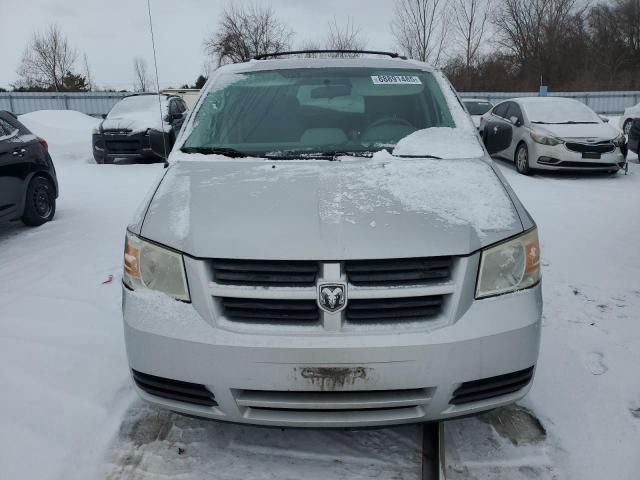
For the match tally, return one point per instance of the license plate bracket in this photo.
(591, 155)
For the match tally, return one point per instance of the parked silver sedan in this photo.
(553, 133)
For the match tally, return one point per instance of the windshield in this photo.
(317, 110)
(477, 107)
(560, 111)
(136, 104)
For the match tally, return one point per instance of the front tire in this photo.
(40, 203)
(626, 127)
(522, 159)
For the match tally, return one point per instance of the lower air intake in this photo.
(486, 388)
(174, 389)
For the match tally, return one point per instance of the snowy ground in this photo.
(68, 410)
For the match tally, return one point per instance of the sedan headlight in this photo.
(509, 266)
(545, 139)
(150, 266)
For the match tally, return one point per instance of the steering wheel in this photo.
(388, 121)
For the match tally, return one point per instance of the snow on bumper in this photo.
(327, 380)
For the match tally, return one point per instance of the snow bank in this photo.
(67, 132)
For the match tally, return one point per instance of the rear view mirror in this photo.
(104, 115)
(497, 136)
(331, 91)
(515, 121)
(604, 119)
(160, 144)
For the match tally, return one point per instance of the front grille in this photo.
(600, 147)
(270, 310)
(393, 309)
(398, 272)
(265, 273)
(586, 165)
(122, 146)
(333, 400)
(486, 388)
(174, 389)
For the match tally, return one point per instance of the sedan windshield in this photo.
(565, 111)
(314, 111)
(477, 107)
(134, 104)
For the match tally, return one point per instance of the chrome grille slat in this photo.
(288, 311)
(265, 272)
(410, 271)
(389, 309)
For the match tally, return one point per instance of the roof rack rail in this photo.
(302, 52)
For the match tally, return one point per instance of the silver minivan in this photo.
(331, 245)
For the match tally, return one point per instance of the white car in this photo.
(476, 108)
(627, 117)
(553, 133)
(331, 246)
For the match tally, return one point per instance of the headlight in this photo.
(545, 140)
(620, 140)
(149, 266)
(509, 266)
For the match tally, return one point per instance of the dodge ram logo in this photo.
(332, 297)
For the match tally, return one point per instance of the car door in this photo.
(496, 127)
(515, 118)
(12, 157)
(177, 110)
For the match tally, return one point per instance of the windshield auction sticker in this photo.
(395, 80)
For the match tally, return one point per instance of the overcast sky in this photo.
(113, 32)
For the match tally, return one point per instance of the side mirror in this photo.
(104, 115)
(515, 121)
(497, 136)
(604, 119)
(160, 143)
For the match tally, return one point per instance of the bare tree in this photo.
(86, 71)
(141, 81)
(534, 31)
(469, 24)
(246, 31)
(47, 59)
(344, 37)
(419, 27)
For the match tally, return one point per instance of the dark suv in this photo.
(28, 184)
(124, 132)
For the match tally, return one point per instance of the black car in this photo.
(28, 183)
(124, 132)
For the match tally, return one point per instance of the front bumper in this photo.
(111, 148)
(559, 157)
(332, 379)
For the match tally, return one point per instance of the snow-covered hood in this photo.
(349, 209)
(139, 122)
(596, 131)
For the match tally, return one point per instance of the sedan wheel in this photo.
(626, 128)
(40, 203)
(522, 159)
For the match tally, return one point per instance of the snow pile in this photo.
(441, 142)
(67, 132)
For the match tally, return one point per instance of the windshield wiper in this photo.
(331, 155)
(227, 152)
(568, 122)
(418, 156)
